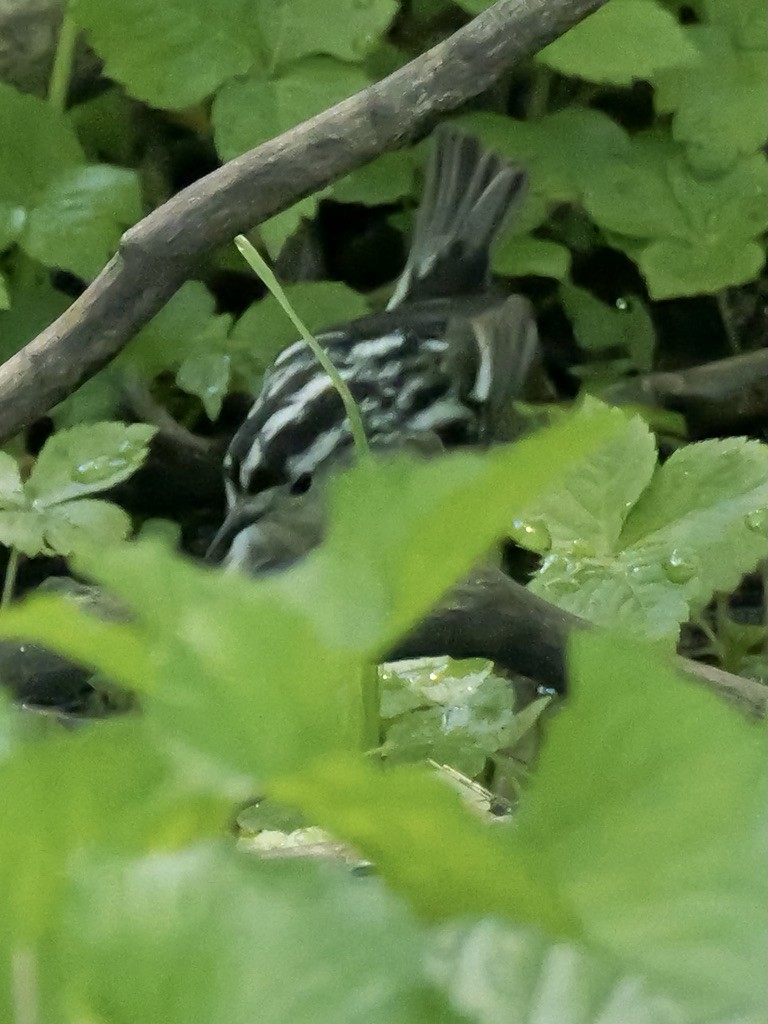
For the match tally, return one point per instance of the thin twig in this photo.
(163, 250)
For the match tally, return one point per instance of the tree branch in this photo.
(491, 616)
(720, 396)
(158, 254)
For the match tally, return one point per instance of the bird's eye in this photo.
(301, 484)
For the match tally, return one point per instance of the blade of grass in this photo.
(260, 268)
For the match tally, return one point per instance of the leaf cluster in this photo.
(611, 896)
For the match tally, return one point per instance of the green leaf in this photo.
(667, 884)
(11, 487)
(585, 515)
(356, 587)
(696, 529)
(87, 459)
(32, 310)
(519, 256)
(264, 330)
(11, 224)
(71, 524)
(559, 151)
(276, 231)
(284, 943)
(63, 529)
(111, 786)
(249, 111)
(461, 716)
(171, 54)
(206, 375)
(218, 639)
(746, 20)
(5, 295)
(674, 268)
(107, 127)
(117, 650)
(186, 326)
(77, 221)
(621, 42)
(499, 974)
(425, 842)
(597, 326)
(38, 146)
(720, 104)
(698, 231)
(385, 180)
(348, 29)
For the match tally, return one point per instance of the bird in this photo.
(436, 370)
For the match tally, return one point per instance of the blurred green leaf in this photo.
(621, 42)
(285, 943)
(347, 29)
(426, 842)
(522, 255)
(597, 326)
(385, 180)
(38, 146)
(356, 587)
(110, 786)
(171, 54)
(32, 310)
(496, 973)
(670, 884)
(77, 221)
(720, 104)
(249, 111)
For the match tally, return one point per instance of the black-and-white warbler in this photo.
(442, 362)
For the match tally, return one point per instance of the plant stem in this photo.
(9, 584)
(61, 72)
(728, 325)
(259, 267)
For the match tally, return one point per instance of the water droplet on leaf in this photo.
(532, 535)
(93, 471)
(579, 548)
(757, 521)
(679, 567)
(622, 304)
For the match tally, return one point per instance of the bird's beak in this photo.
(244, 513)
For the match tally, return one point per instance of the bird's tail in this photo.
(468, 194)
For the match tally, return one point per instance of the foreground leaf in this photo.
(284, 943)
(364, 588)
(670, 884)
(426, 842)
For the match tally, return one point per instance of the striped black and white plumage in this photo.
(442, 361)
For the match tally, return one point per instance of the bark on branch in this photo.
(491, 616)
(158, 254)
